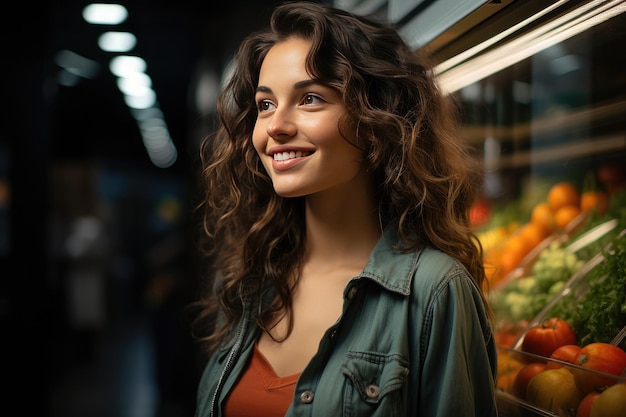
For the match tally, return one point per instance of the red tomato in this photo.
(611, 174)
(565, 353)
(480, 212)
(613, 177)
(524, 376)
(601, 357)
(545, 338)
(584, 407)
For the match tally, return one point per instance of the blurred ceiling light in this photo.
(104, 14)
(117, 41)
(165, 157)
(67, 79)
(453, 78)
(156, 137)
(76, 64)
(475, 50)
(160, 148)
(132, 81)
(124, 65)
(134, 84)
(152, 122)
(148, 113)
(148, 99)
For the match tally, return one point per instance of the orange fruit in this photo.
(563, 194)
(534, 234)
(508, 262)
(542, 215)
(566, 214)
(492, 268)
(594, 200)
(518, 244)
(514, 250)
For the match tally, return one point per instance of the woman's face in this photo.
(297, 129)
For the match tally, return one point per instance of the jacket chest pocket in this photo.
(376, 384)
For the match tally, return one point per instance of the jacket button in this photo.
(372, 391)
(306, 397)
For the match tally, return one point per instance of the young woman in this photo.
(344, 276)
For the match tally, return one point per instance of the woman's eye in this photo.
(312, 99)
(264, 105)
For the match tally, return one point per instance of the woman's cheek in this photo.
(258, 140)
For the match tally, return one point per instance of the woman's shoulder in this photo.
(436, 269)
(437, 262)
(409, 271)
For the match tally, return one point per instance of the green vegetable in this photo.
(599, 313)
(525, 297)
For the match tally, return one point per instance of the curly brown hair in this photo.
(426, 178)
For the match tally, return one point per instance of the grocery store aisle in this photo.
(118, 381)
(123, 376)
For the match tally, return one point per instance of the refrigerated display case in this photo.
(543, 96)
(542, 89)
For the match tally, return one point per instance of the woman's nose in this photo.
(281, 124)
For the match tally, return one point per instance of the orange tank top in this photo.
(259, 391)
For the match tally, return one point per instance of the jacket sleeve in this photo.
(458, 353)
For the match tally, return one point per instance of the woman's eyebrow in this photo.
(297, 86)
(304, 83)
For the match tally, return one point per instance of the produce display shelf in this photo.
(510, 403)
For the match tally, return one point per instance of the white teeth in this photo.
(283, 156)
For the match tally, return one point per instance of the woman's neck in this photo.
(342, 226)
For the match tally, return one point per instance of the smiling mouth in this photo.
(283, 156)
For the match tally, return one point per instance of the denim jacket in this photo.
(413, 340)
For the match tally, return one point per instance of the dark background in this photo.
(99, 330)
